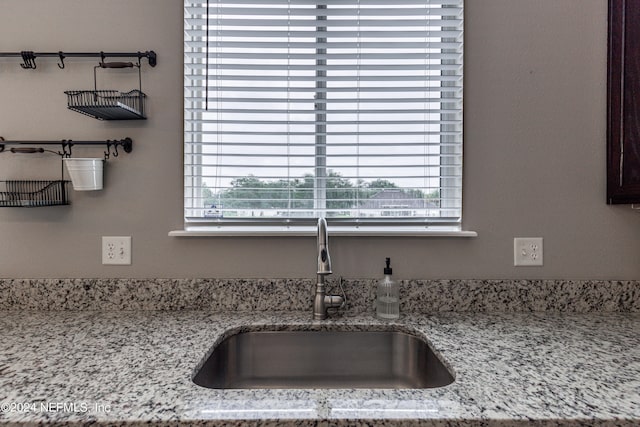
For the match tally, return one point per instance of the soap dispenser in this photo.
(387, 298)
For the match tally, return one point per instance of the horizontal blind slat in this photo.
(200, 46)
(258, 132)
(365, 34)
(310, 111)
(389, 101)
(334, 23)
(191, 6)
(190, 65)
(324, 12)
(397, 89)
(311, 145)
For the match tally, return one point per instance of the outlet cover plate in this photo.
(116, 250)
(527, 251)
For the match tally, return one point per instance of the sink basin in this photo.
(323, 359)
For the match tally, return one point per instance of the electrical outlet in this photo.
(116, 250)
(527, 251)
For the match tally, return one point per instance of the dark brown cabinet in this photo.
(623, 103)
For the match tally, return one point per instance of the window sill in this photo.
(248, 231)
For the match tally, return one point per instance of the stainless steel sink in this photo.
(323, 359)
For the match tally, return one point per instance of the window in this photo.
(347, 109)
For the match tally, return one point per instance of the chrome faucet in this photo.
(323, 302)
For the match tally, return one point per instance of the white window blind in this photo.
(347, 109)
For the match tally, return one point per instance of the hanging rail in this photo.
(29, 57)
(67, 144)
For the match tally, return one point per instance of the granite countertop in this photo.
(134, 367)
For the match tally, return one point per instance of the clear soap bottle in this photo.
(387, 298)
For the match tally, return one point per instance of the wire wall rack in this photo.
(38, 193)
(99, 104)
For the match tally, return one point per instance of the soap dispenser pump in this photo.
(388, 295)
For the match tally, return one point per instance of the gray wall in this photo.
(535, 107)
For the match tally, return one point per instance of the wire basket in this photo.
(108, 104)
(20, 194)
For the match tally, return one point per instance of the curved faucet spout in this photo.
(324, 260)
(322, 302)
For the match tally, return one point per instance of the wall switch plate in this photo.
(116, 250)
(527, 251)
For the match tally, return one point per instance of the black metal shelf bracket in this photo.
(29, 56)
(66, 146)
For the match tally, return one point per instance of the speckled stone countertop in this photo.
(126, 368)
(220, 295)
